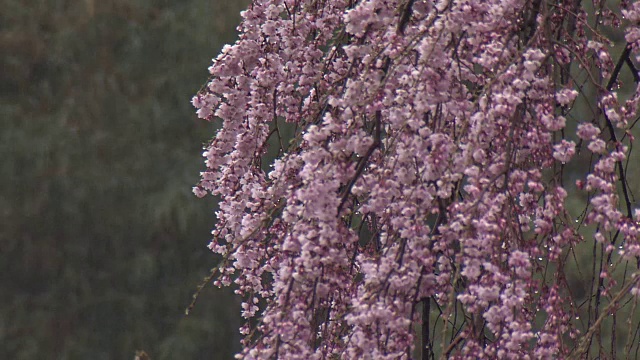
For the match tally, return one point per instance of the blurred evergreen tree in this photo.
(101, 241)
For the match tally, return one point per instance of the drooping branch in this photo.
(624, 58)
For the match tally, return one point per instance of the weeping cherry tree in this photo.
(394, 178)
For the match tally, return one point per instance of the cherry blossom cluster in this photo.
(394, 175)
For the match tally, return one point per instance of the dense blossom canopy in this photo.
(416, 202)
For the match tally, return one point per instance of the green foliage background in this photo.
(101, 241)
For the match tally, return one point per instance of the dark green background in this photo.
(101, 241)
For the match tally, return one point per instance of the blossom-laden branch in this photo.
(393, 177)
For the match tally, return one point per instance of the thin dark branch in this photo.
(616, 70)
(634, 70)
(612, 80)
(427, 349)
(362, 164)
(405, 15)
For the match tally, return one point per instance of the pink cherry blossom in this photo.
(385, 166)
